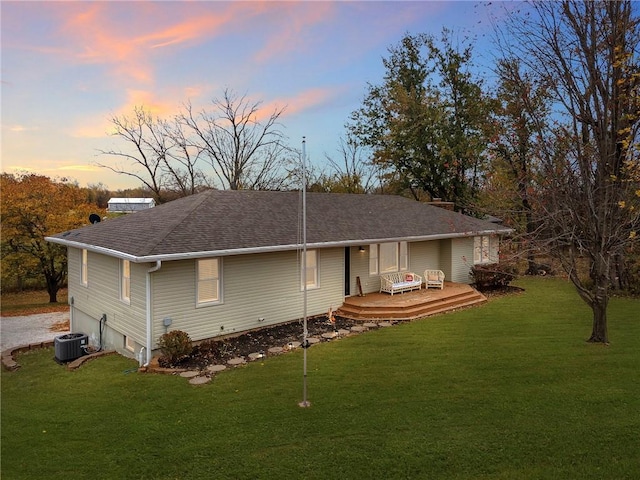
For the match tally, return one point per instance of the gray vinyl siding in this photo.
(445, 259)
(423, 256)
(264, 286)
(360, 268)
(461, 259)
(102, 294)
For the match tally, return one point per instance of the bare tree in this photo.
(244, 151)
(145, 160)
(184, 176)
(352, 173)
(162, 158)
(588, 54)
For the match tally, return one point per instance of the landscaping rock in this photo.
(199, 380)
(216, 368)
(236, 361)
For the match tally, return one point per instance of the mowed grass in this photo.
(508, 390)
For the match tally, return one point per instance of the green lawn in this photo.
(508, 390)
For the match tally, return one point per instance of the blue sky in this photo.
(67, 67)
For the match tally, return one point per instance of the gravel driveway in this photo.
(16, 331)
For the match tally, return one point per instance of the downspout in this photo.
(157, 267)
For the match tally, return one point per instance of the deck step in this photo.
(413, 311)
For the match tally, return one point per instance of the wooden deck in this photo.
(410, 305)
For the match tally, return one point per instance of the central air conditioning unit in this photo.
(70, 346)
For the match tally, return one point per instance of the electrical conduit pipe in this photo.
(155, 268)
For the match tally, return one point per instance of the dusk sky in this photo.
(67, 67)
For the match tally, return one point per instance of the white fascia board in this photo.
(274, 248)
(93, 248)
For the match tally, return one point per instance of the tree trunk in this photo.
(52, 288)
(599, 332)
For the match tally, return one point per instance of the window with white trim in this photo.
(208, 276)
(84, 279)
(482, 249)
(125, 281)
(373, 259)
(129, 343)
(388, 257)
(310, 277)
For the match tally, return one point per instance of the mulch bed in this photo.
(211, 352)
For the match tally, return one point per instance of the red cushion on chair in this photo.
(408, 277)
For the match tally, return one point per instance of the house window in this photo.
(83, 269)
(481, 249)
(129, 343)
(125, 281)
(310, 279)
(388, 257)
(404, 256)
(208, 281)
(373, 259)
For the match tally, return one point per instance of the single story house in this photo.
(129, 205)
(223, 262)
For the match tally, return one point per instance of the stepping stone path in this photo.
(342, 332)
(189, 374)
(384, 324)
(199, 380)
(370, 325)
(329, 335)
(275, 350)
(358, 328)
(236, 361)
(313, 340)
(216, 368)
(293, 345)
(256, 356)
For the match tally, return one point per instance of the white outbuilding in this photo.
(130, 205)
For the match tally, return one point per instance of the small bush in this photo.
(491, 277)
(175, 345)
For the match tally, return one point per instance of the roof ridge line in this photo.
(170, 226)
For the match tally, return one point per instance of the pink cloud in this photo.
(292, 21)
(128, 35)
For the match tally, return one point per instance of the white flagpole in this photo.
(305, 333)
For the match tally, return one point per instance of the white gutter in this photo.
(273, 248)
(149, 309)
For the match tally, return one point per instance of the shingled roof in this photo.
(224, 222)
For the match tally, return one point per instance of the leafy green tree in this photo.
(33, 207)
(522, 110)
(427, 122)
